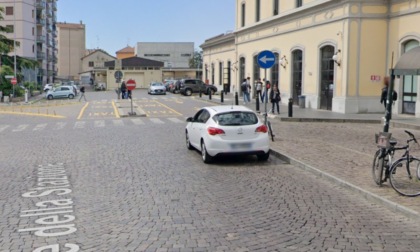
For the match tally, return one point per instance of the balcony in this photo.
(40, 21)
(40, 4)
(40, 55)
(40, 39)
(54, 6)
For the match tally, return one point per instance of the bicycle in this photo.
(268, 124)
(401, 171)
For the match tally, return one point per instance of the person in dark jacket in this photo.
(82, 93)
(275, 98)
(123, 90)
(384, 94)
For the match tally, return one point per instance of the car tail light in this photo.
(262, 129)
(215, 131)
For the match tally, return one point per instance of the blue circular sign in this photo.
(266, 59)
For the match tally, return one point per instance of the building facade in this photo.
(71, 41)
(33, 25)
(335, 53)
(126, 52)
(93, 66)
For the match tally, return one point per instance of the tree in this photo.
(197, 60)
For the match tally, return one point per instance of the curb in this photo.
(346, 185)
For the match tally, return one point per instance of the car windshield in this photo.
(236, 118)
(157, 84)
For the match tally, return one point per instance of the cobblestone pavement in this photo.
(136, 187)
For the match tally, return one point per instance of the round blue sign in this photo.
(266, 59)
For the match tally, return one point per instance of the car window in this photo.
(65, 88)
(189, 82)
(236, 118)
(204, 116)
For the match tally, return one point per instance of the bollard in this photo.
(257, 104)
(221, 97)
(236, 98)
(200, 93)
(209, 94)
(290, 107)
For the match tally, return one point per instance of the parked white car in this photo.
(48, 86)
(227, 130)
(157, 88)
(61, 92)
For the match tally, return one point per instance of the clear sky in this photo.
(111, 25)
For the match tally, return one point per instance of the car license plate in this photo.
(236, 146)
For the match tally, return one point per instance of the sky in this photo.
(111, 25)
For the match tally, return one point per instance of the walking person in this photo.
(258, 88)
(275, 98)
(82, 93)
(384, 94)
(246, 87)
(123, 90)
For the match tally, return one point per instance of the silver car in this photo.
(61, 92)
(157, 88)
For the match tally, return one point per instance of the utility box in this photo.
(302, 100)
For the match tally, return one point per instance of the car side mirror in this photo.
(190, 119)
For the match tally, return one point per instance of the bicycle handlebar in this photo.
(413, 138)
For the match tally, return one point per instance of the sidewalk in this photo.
(338, 147)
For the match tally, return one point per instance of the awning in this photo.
(409, 63)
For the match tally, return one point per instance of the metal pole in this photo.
(388, 111)
(14, 42)
(266, 90)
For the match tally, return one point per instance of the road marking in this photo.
(59, 125)
(156, 120)
(21, 127)
(117, 115)
(99, 124)
(175, 120)
(82, 111)
(40, 127)
(137, 121)
(3, 127)
(118, 122)
(79, 125)
(163, 105)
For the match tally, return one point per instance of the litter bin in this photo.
(301, 101)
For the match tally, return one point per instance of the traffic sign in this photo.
(266, 59)
(118, 74)
(13, 81)
(131, 84)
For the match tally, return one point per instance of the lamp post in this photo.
(14, 41)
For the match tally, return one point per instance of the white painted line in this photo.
(99, 124)
(59, 125)
(156, 120)
(3, 127)
(40, 127)
(79, 125)
(21, 127)
(118, 122)
(175, 120)
(137, 121)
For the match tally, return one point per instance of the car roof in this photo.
(227, 108)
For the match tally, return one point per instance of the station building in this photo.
(334, 53)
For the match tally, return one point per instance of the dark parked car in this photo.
(189, 86)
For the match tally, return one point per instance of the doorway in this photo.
(326, 89)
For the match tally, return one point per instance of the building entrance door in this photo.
(326, 88)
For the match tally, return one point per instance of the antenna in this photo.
(97, 41)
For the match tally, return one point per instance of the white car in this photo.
(48, 86)
(60, 92)
(157, 88)
(226, 130)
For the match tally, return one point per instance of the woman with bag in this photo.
(275, 98)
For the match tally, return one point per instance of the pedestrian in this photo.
(246, 87)
(275, 98)
(384, 94)
(123, 90)
(129, 94)
(258, 88)
(82, 93)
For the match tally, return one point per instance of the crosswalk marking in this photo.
(21, 127)
(118, 122)
(175, 120)
(59, 125)
(99, 124)
(137, 121)
(156, 120)
(3, 127)
(40, 127)
(79, 125)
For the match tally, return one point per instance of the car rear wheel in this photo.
(263, 157)
(188, 92)
(50, 97)
(187, 141)
(205, 155)
(211, 91)
(71, 96)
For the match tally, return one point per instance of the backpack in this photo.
(243, 87)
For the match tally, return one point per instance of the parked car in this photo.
(190, 86)
(157, 88)
(48, 86)
(227, 130)
(75, 89)
(169, 84)
(175, 87)
(60, 92)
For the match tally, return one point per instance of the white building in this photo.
(33, 24)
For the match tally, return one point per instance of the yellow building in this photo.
(336, 53)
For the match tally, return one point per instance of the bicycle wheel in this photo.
(270, 130)
(404, 176)
(378, 167)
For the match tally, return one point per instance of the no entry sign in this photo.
(13, 81)
(131, 84)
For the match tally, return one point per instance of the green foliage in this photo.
(197, 60)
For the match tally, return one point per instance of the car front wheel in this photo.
(263, 157)
(205, 155)
(188, 92)
(50, 97)
(71, 96)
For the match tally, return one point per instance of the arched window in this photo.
(241, 70)
(326, 89)
(275, 71)
(297, 57)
